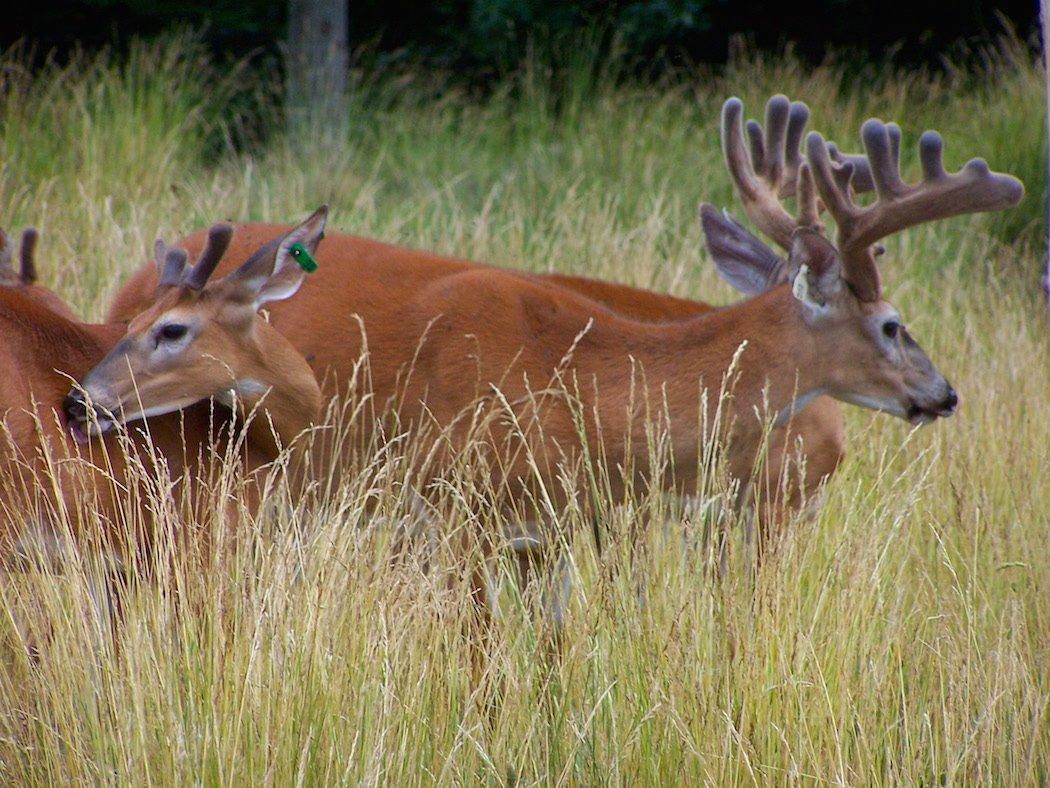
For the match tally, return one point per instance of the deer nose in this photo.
(74, 406)
(949, 402)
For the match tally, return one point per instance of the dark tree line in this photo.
(480, 38)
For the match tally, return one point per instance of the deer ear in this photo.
(276, 271)
(814, 269)
(740, 258)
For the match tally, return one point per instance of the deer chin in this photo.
(918, 415)
(83, 431)
(156, 410)
(892, 407)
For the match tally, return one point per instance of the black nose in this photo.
(951, 400)
(74, 406)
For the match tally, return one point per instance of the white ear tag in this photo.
(800, 288)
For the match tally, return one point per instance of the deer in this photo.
(64, 475)
(202, 339)
(816, 432)
(446, 337)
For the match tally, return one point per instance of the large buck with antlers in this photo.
(555, 369)
(53, 478)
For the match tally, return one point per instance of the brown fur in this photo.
(517, 367)
(41, 354)
(357, 275)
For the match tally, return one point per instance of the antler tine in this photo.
(808, 212)
(931, 146)
(859, 270)
(740, 169)
(862, 178)
(750, 174)
(218, 241)
(844, 175)
(797, 119)
(855, 168)
(166, 276)
(883, 158)
(27, 255)
(160, 249)
(828, 183)
(777, 110)
(757, 144)
(172, 263)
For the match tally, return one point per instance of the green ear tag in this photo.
(306, 262)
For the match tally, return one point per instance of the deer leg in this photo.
(637, 555)
(800, 460)
(640, 556)
(545, 582)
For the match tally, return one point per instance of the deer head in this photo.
(871, 358)
(204, 339)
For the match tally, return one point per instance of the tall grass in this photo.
(901, 637)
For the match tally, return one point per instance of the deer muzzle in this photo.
(84, 419)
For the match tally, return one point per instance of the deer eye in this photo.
(891, 329)
(171, 332)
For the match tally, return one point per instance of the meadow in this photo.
(900, 637)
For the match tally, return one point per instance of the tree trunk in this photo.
(316, 65)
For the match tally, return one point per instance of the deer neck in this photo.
(48, 348)
(51, 340)
(278, 393)
(761, 348)
(73, 347)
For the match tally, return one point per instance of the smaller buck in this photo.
(204, 339)
(54, 476)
